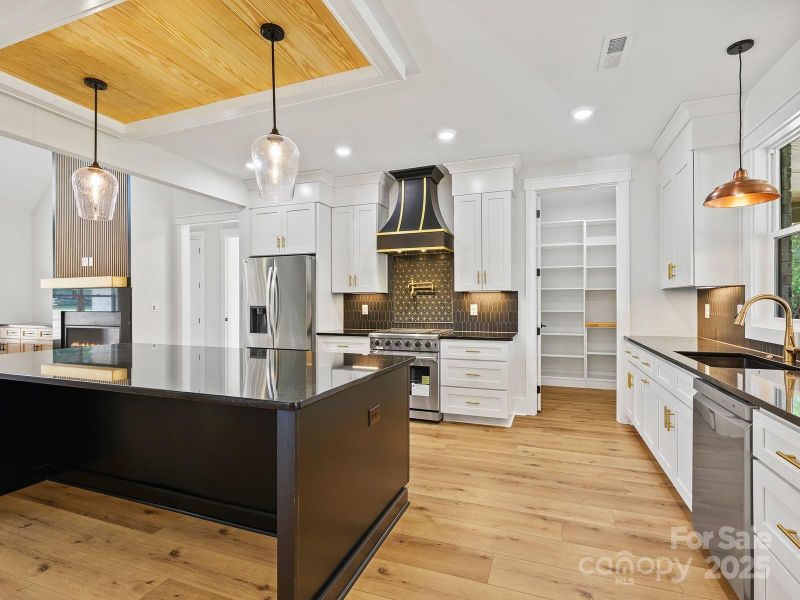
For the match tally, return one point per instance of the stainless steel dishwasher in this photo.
(722, 482)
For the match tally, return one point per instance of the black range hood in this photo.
(416, 225)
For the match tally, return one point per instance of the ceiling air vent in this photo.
(614, 52)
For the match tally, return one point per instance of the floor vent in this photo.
(614, 52)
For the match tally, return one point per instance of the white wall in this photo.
(154, 271)
(653, 311)
(15, 266)
(42, 257)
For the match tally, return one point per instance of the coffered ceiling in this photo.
(164, 57)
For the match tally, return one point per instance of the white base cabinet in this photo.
(773, 581)
(475, 380)
(660, 408)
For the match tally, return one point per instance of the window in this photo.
(787, 251)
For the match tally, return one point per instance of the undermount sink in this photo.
(737, 360)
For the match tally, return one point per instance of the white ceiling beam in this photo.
(22, 20)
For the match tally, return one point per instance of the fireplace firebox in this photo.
(91, 317)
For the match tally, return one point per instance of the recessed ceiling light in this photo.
(582, 113)
(446, 135)
(343, 151)
(250, 165)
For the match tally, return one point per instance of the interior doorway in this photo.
(197, 287)
(230, 287)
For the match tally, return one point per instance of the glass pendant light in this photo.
(95, 188)
(275, 157)
(741, 190)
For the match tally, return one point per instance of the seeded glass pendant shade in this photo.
(741, 190)
(95, 189)
(275, 157)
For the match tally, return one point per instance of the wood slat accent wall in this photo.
(107, 242)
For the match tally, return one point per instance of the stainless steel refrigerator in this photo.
(279, 297)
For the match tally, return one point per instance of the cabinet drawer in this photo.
(772, 580)
(31, 334)
(10, 332)
(475, 350)
(475, 374)
(776, 515)
(46, 334)
(640, 357)
(777, 445)
(36, 346)
(344, 343)
(665, 374)
(479, 403)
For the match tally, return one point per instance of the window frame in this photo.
(761, 232)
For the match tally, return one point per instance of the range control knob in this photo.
(408, 344)
(388, 343)
(398, 343)
(418, 344)
(427, 344)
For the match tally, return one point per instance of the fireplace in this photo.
(91, 317)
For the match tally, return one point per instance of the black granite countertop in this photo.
(363, 332)
(499, 336)
(273, 379)
(773, 390)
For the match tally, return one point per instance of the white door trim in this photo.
(224, 234)
(533, 188)
(201, 236)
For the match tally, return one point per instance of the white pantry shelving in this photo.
(578, 287)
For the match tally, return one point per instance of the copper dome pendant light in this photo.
(741, 190)
(95, 189)
(275, 157)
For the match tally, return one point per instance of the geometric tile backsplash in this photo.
(497, 311)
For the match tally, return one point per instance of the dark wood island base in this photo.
(326, 472)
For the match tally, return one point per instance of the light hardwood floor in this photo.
(506, 514)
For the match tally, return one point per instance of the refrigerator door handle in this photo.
(273, 300)
(277, 302)
(268, 302)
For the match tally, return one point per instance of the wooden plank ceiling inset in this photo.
(163, 57)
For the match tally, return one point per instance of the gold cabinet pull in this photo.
(355, 279)
(472, 374)
(646, 364)
(473, 351)
(636, 356)
(645, 380)
(342, 346)
(791, 534)
(671, 271)
(790, 458)
(627, 352)
(471, 402)
(278, 241)
(630, 381)
(668, 419)
(484, 276)
(478, 277)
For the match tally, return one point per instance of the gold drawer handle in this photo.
(790, 458)
(645, 380)
(791, 534)
(636, 357)
(627, 351)
(472, 402)
(646, 364)
(473, 351)
(671, 271)
(630, 381)
(472, 374)
(342, 346)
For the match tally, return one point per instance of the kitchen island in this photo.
(259, 439)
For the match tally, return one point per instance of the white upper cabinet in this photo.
(700, 247)
(482, 244)
(356, 264)
(486, 224)
(284, 229)
(467, 248)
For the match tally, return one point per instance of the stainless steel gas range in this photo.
(423, 345)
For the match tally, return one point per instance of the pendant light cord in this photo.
(740, 108)
(95, 126)
(274, 111)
